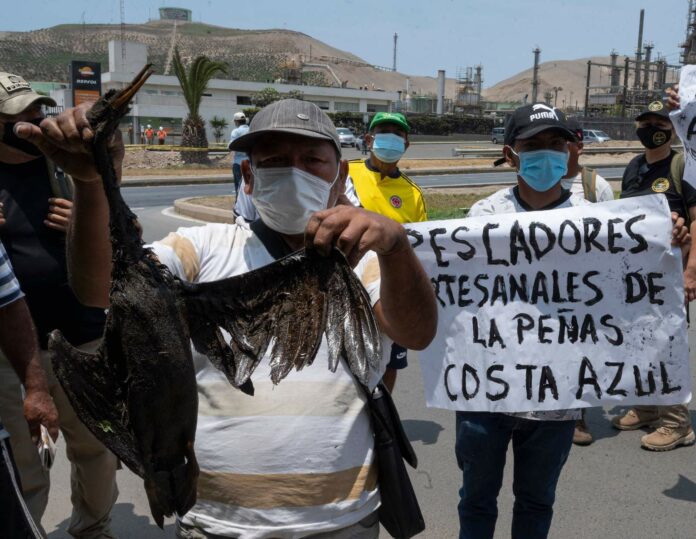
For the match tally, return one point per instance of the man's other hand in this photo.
(680, 232)
(66, 140)
(59, 212)
(39, 409)
(354, 231)
(673, 102)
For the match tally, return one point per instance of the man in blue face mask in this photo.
(536, 145)
(378, 185)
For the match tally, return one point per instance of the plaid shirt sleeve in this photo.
(9, 286)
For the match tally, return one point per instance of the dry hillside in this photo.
(256, 55)
(568, 74)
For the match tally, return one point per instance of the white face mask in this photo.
(286, 197)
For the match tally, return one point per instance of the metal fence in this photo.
(616, 128)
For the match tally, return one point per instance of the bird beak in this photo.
(125, 95)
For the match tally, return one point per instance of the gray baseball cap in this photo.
(16, 95)
(288, 116)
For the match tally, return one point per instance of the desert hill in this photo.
(567, 74)
(255, 55)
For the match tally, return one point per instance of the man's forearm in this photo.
(89, 246)
(407, 300)
(18, 343)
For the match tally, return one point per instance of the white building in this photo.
(161, 96)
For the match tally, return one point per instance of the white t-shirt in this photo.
(507, 201)
(235, 134)
(295, 459)
(603, 190)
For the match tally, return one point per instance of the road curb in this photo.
(183, 206)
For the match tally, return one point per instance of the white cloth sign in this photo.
(556, 309)
(684, 120)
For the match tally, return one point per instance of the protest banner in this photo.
(684, 120)
(558, 309)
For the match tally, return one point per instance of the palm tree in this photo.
(219, 125)
(193, 84)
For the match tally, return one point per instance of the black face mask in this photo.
(9, 138)
(653, 137)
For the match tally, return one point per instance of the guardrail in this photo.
(497, 152)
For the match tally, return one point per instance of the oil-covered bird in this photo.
(137, 393)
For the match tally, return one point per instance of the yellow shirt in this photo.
(397, 198)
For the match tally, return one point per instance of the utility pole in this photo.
(535, 75)
(123, 33)
(587, 87)
(639, 50)
(84, 30)
(396, 37)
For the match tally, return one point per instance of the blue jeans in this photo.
(237, 176)
(540, 450)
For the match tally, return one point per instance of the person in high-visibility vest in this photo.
(378, 185)
(149, 134)
(161, 135)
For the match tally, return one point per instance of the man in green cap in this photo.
(378, 185)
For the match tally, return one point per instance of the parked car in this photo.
(497, 135)
(594, 135)
(345, 136)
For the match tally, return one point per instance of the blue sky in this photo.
(433, 34)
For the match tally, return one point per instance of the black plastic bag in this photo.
(399, 513)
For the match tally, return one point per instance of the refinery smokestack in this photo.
(396, 37)
(639, 49)
(440, 91)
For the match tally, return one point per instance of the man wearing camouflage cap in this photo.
(378, 185)
(36, 207)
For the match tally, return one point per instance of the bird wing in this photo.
(91, 384)
(285, 306)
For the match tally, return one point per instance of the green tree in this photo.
(265, 97)
(194, 82)
(294, 94)
(219, 125)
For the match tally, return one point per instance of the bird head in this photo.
(107, 111)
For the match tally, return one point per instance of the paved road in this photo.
(612, 489)
(156, 196)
